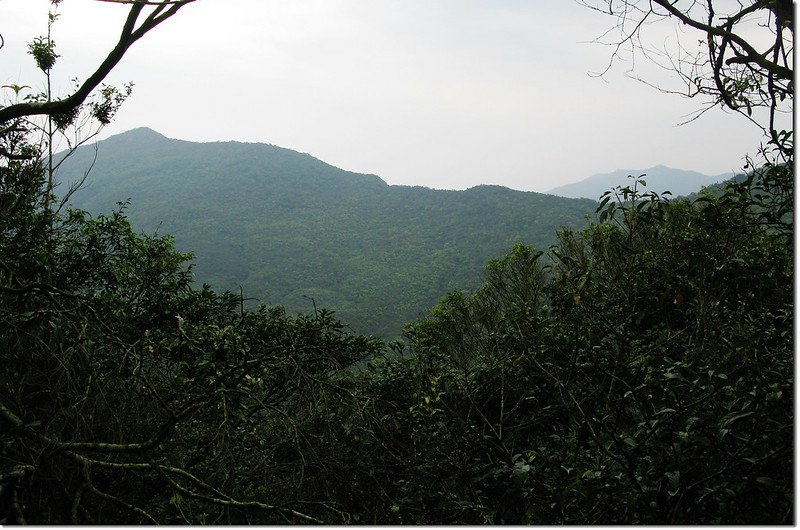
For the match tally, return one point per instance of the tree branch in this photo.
(116, 500)
(129, 35)
(718, 31)
(236, 504)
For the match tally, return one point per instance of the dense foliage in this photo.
(129, 396)
(639, 371)
(645, 375)
(288, 227)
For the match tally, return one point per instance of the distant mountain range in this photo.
(288, 227)
(659, 179)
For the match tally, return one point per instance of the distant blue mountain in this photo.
(658, 179)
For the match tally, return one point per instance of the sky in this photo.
(445, 94)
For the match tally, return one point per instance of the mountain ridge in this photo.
(288, 227)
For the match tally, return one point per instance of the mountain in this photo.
(288, 227)
(658, 179)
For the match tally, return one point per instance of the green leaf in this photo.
(766, 481)
(727, 420)
(674, 480)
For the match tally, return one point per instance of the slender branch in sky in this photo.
(130, 34)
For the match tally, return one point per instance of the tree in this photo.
(121, 385)
(744, 62)
(127, 395)
(640, 373)
(131, 32)
(16, 119)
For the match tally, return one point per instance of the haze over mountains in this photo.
(287, 227)
(658, 178)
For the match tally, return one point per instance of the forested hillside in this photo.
(640, 370)
(288, 227)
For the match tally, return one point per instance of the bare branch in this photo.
(718, 31)
(238, 504)
(116, 500)
(148, 2)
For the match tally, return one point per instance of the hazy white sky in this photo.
(444, 93)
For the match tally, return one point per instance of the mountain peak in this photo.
(139, 133)
(659, 178)
(138, 138)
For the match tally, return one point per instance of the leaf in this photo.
(521, 469)
(16, 88)
(766, 481)
(727, 420)
(674, 481)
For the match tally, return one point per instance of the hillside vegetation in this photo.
(639, 370)
(288, 227)
(639, 373)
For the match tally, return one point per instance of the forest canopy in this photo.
(640, 370)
